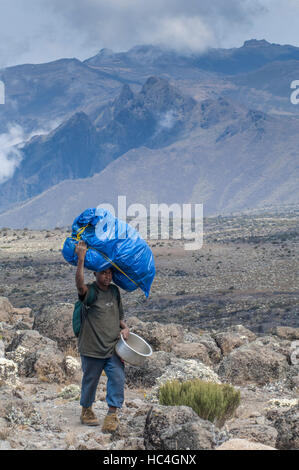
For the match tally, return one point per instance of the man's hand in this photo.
(125, 333)
(80, 249)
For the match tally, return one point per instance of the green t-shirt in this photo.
(104, 314)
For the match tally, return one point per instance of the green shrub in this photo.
(213, 402)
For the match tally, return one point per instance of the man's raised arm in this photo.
(81, 252)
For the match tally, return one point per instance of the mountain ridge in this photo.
(185, 107)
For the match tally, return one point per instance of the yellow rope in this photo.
(78, 237)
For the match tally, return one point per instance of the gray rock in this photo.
(173, 338)
(153, 368)
(5, 310)
(8, 373)
(233, 337)
(286, 423)
(292, 381)
(36, 355)
(214, 352)
(192, 351)
(286, 332)
(159, 336)
(182, 370)
(178, 428)
(5, 445)
(254, 429)
(256, 363)
(55, 322)
(243, 444)
(2, 349)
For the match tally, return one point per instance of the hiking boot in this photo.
(88, 417)
(111, 423)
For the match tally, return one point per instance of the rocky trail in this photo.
(40, 387)
(226, 314)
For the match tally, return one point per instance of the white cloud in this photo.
(11, 144)
(43, 30)
(168, 120)
(10, 154)
(182, 33)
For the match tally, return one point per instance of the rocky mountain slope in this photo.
(40, 387)
(79, 148)
(214, 153)
(226, 106)
(37, 93)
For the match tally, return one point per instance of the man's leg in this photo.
(92, 370)
(115, 372)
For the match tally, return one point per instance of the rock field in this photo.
(225, 313)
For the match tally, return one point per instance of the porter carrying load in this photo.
(112, 243)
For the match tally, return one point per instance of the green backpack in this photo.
(81, 309)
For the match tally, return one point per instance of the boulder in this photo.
(173, 338)
(292, 381)
(36, 355)
(243, 444)
(178, 428)
(257, 362)
(12, 315)
(55, 322)
(286, 332)
(72, 366)
(153, 368)
(232, 338)
(159, 336)
(192, 351)
(5, 310)
(286, 423)
(8, 373)
(182, 370)
(214, 352)
(256, 429)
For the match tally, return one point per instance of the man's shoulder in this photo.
(115, 289)
(89, 285)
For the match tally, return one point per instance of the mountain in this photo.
(229, 158)
(253, 55)
(49, 159)
(79, 148)
(216, 127)
(39, 94)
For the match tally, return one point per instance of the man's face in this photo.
(104, 278)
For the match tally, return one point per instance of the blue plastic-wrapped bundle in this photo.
(114, 244)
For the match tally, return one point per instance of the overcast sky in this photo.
(35, 31)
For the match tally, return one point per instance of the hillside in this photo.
(219, 126)
(226, 158)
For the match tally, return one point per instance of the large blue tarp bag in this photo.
(112, 243)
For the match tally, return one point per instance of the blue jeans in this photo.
(92, 369)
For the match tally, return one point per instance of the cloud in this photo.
(10, 154)
(168, 120)
(191, 24)
(43, 30)
(11, 144)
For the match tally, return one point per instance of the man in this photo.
(98, 336)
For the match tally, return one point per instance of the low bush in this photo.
(212, 402)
